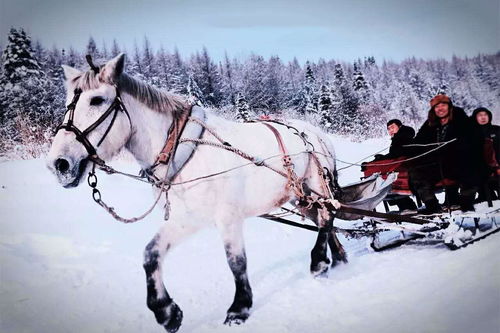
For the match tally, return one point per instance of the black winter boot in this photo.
(431, 207)
(467, 203)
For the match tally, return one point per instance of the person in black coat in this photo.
(453, 150)
(482, 118)
(401, 135)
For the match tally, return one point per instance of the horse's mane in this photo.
(154, 98)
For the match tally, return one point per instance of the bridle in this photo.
(82, 136)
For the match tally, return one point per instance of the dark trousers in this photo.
(423, 181)
(404, 203)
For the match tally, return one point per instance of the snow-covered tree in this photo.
(178, 78)
(115, 49)
(195, 96)
(207, 76)
(18, 58)
(148, 66)
(308, 95)
(273, 84)
(227, 82)
(346, 116)
(93, 51)
(26, 99)
(325, 106)
(253, 87)
(242, 107)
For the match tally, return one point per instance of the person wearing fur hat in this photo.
(482, 118)
(452, 150)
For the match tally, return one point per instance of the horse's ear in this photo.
(70, 73)
(113, 69)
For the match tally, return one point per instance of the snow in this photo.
(65, 265)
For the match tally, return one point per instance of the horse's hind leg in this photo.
(167, 312)
(232, 235)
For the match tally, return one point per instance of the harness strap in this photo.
(174, 133)
(293, 180)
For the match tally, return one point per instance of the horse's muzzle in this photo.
(68, 172)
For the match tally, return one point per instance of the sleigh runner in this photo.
(388, 230)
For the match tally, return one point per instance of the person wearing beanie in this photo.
(482, 118)
(458, 157)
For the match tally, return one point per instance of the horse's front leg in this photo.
(167, 312)
(232, 235)
(319, 257)
(338, 252)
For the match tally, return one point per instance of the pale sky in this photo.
(308, 29)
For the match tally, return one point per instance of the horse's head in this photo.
(96, 124)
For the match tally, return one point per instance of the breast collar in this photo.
(175, 153)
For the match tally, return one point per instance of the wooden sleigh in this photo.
(387, 230)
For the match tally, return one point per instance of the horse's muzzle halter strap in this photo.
(81, 136)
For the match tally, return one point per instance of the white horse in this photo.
(224, 200)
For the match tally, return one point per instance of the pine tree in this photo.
(93, 51)
(227, 84)
(293, 78)
(345, 104)
(308, 96)
(105, 54)
(149, 69)
(74, 59)
(273, 84)
(325, 106)
(207, 76)
(136, 67)
(162, 61)
(242, 108)
(359, 82)
(115, 49)
(25, 94)
(253, 83)
(178, 78)
(195, 96)
(18, 57)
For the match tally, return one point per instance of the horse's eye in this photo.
(96, 101)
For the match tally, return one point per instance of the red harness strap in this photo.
(293, 180)
(174, 134)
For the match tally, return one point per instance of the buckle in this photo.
(163, 157)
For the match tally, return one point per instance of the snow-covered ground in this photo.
(66, 266)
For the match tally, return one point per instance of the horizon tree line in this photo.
(348, 99)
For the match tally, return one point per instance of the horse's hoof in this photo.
(337, 261)
(236, 318)
(320, 270)
(175, 318)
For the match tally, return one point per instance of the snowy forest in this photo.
(348, 99)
